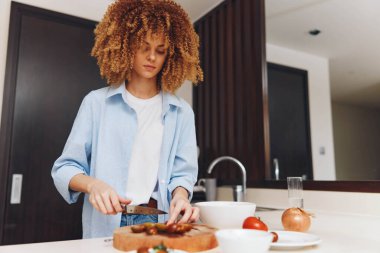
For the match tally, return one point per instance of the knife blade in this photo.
(132, 209)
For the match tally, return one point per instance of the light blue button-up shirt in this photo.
(100, 145)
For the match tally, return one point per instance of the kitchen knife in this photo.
(132, 209)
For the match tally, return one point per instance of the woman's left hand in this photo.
(180, 204)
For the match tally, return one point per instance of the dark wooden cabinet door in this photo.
(49, 71)
(229, 105)
(290, 145)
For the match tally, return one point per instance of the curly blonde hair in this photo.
(123, 29)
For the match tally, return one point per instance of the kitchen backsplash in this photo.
(326, 201)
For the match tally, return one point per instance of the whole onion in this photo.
(296, 219)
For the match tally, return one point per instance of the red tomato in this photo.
(254, 223)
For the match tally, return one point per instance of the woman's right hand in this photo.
(104, 198)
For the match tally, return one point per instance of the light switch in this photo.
(16, 189)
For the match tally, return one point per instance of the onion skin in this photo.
(296, 219)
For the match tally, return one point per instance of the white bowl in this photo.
(243, 240)
(225, 214)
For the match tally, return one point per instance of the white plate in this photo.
(293, 240)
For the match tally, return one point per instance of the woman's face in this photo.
(150, 57)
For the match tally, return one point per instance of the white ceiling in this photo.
(350, 39)
(195, 8)
(198, 8)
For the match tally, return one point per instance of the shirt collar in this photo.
(170, 99)
(113, 90)
(167, 98)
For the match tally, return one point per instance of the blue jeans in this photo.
(133, 219)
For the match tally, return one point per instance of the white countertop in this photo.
(339, 233)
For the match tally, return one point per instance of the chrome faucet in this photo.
(239, 191)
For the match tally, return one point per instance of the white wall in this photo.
(357, 142)
(186, 92)
(319, 103)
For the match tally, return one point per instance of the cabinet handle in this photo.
(16, 189)
(276, 169)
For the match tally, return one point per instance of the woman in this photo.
(134, 142)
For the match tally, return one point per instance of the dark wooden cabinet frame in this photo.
(18, 10)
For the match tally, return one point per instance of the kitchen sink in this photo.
(265, 209)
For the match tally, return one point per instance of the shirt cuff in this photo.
(180, 183)
(62, 180)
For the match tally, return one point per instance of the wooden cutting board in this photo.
(200, 238)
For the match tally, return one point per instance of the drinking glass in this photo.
(295, 192)
(209, 185)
